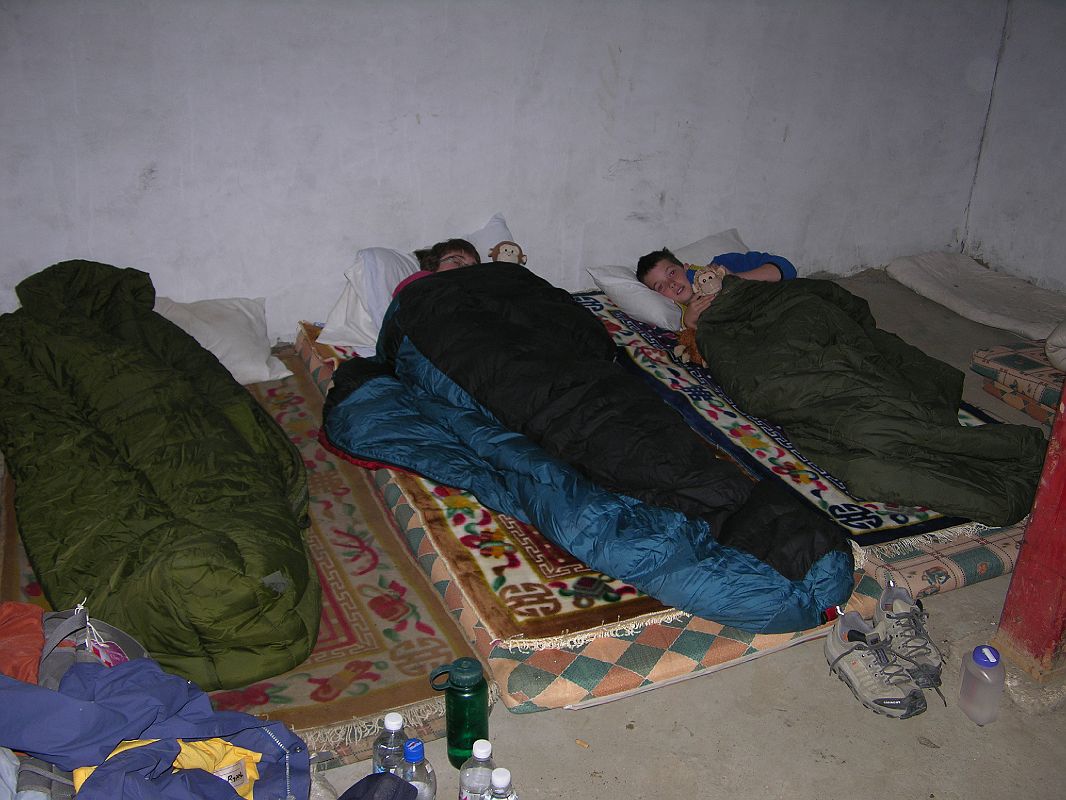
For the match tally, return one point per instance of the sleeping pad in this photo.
(489, 379)
(874, 411)
(149, 483)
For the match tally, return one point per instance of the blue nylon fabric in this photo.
(97, 707)
(423, 421)
(744, 262)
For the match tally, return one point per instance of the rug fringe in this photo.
(901, 547)
(572, 640)
(858, 553)
(330, 737)
(415, 715)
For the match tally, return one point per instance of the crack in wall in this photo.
(1003, 36)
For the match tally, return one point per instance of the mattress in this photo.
(1021, 375)
(555, 634)
(971, 290)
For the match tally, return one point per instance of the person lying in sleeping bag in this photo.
(490, 379)
(877, 413)
(441, 257)
(662, 272)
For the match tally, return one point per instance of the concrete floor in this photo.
(782, 726)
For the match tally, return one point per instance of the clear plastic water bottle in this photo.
(388, 747)
(417, 771)
(475, 776)
(981, 688)
(502, 789)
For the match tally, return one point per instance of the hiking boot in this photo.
(864, 660)
(901, 619)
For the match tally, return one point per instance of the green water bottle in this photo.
(466, 706)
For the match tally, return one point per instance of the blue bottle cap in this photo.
(413, 751)
(985, 655)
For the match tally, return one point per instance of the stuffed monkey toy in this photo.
(686, 351)
(706, 281)
(508, 252)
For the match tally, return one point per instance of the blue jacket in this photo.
(97, 707)
(745, 262)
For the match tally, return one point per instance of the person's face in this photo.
(669, 280)
(454, 259)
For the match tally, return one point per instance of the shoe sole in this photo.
(875, 708)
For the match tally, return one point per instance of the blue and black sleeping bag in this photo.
(490, 379)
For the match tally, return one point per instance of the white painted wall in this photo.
(250, 147)
(1017, 216)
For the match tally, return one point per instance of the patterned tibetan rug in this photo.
(383, 628)
(557, 635)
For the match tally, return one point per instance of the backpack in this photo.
(70, 637)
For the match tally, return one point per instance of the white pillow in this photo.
(704, 251)
(489, 235)
(234, 329)
(1055, 347)
(633, 297)
(638, 301)
(356, 317)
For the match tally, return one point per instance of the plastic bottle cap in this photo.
(482, 748)
(985, 655)
(413, 751)
(393, 721)
(466, 672)
(501, 777)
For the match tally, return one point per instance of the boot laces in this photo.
(884, 660)
(914, 635)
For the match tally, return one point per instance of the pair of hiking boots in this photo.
(887, 663)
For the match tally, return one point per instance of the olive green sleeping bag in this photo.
(149, 483)
(874, 411)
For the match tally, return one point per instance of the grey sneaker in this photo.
(901, 619)
(865, 661)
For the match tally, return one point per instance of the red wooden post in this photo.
(1032, 627)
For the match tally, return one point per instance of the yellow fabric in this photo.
(216, 755)
(211, 755)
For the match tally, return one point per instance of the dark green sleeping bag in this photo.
(876, 412)
(149, 483)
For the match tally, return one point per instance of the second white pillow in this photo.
(356, 317)
(234, 329)
(638, 301)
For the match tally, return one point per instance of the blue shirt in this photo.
(745, 262)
